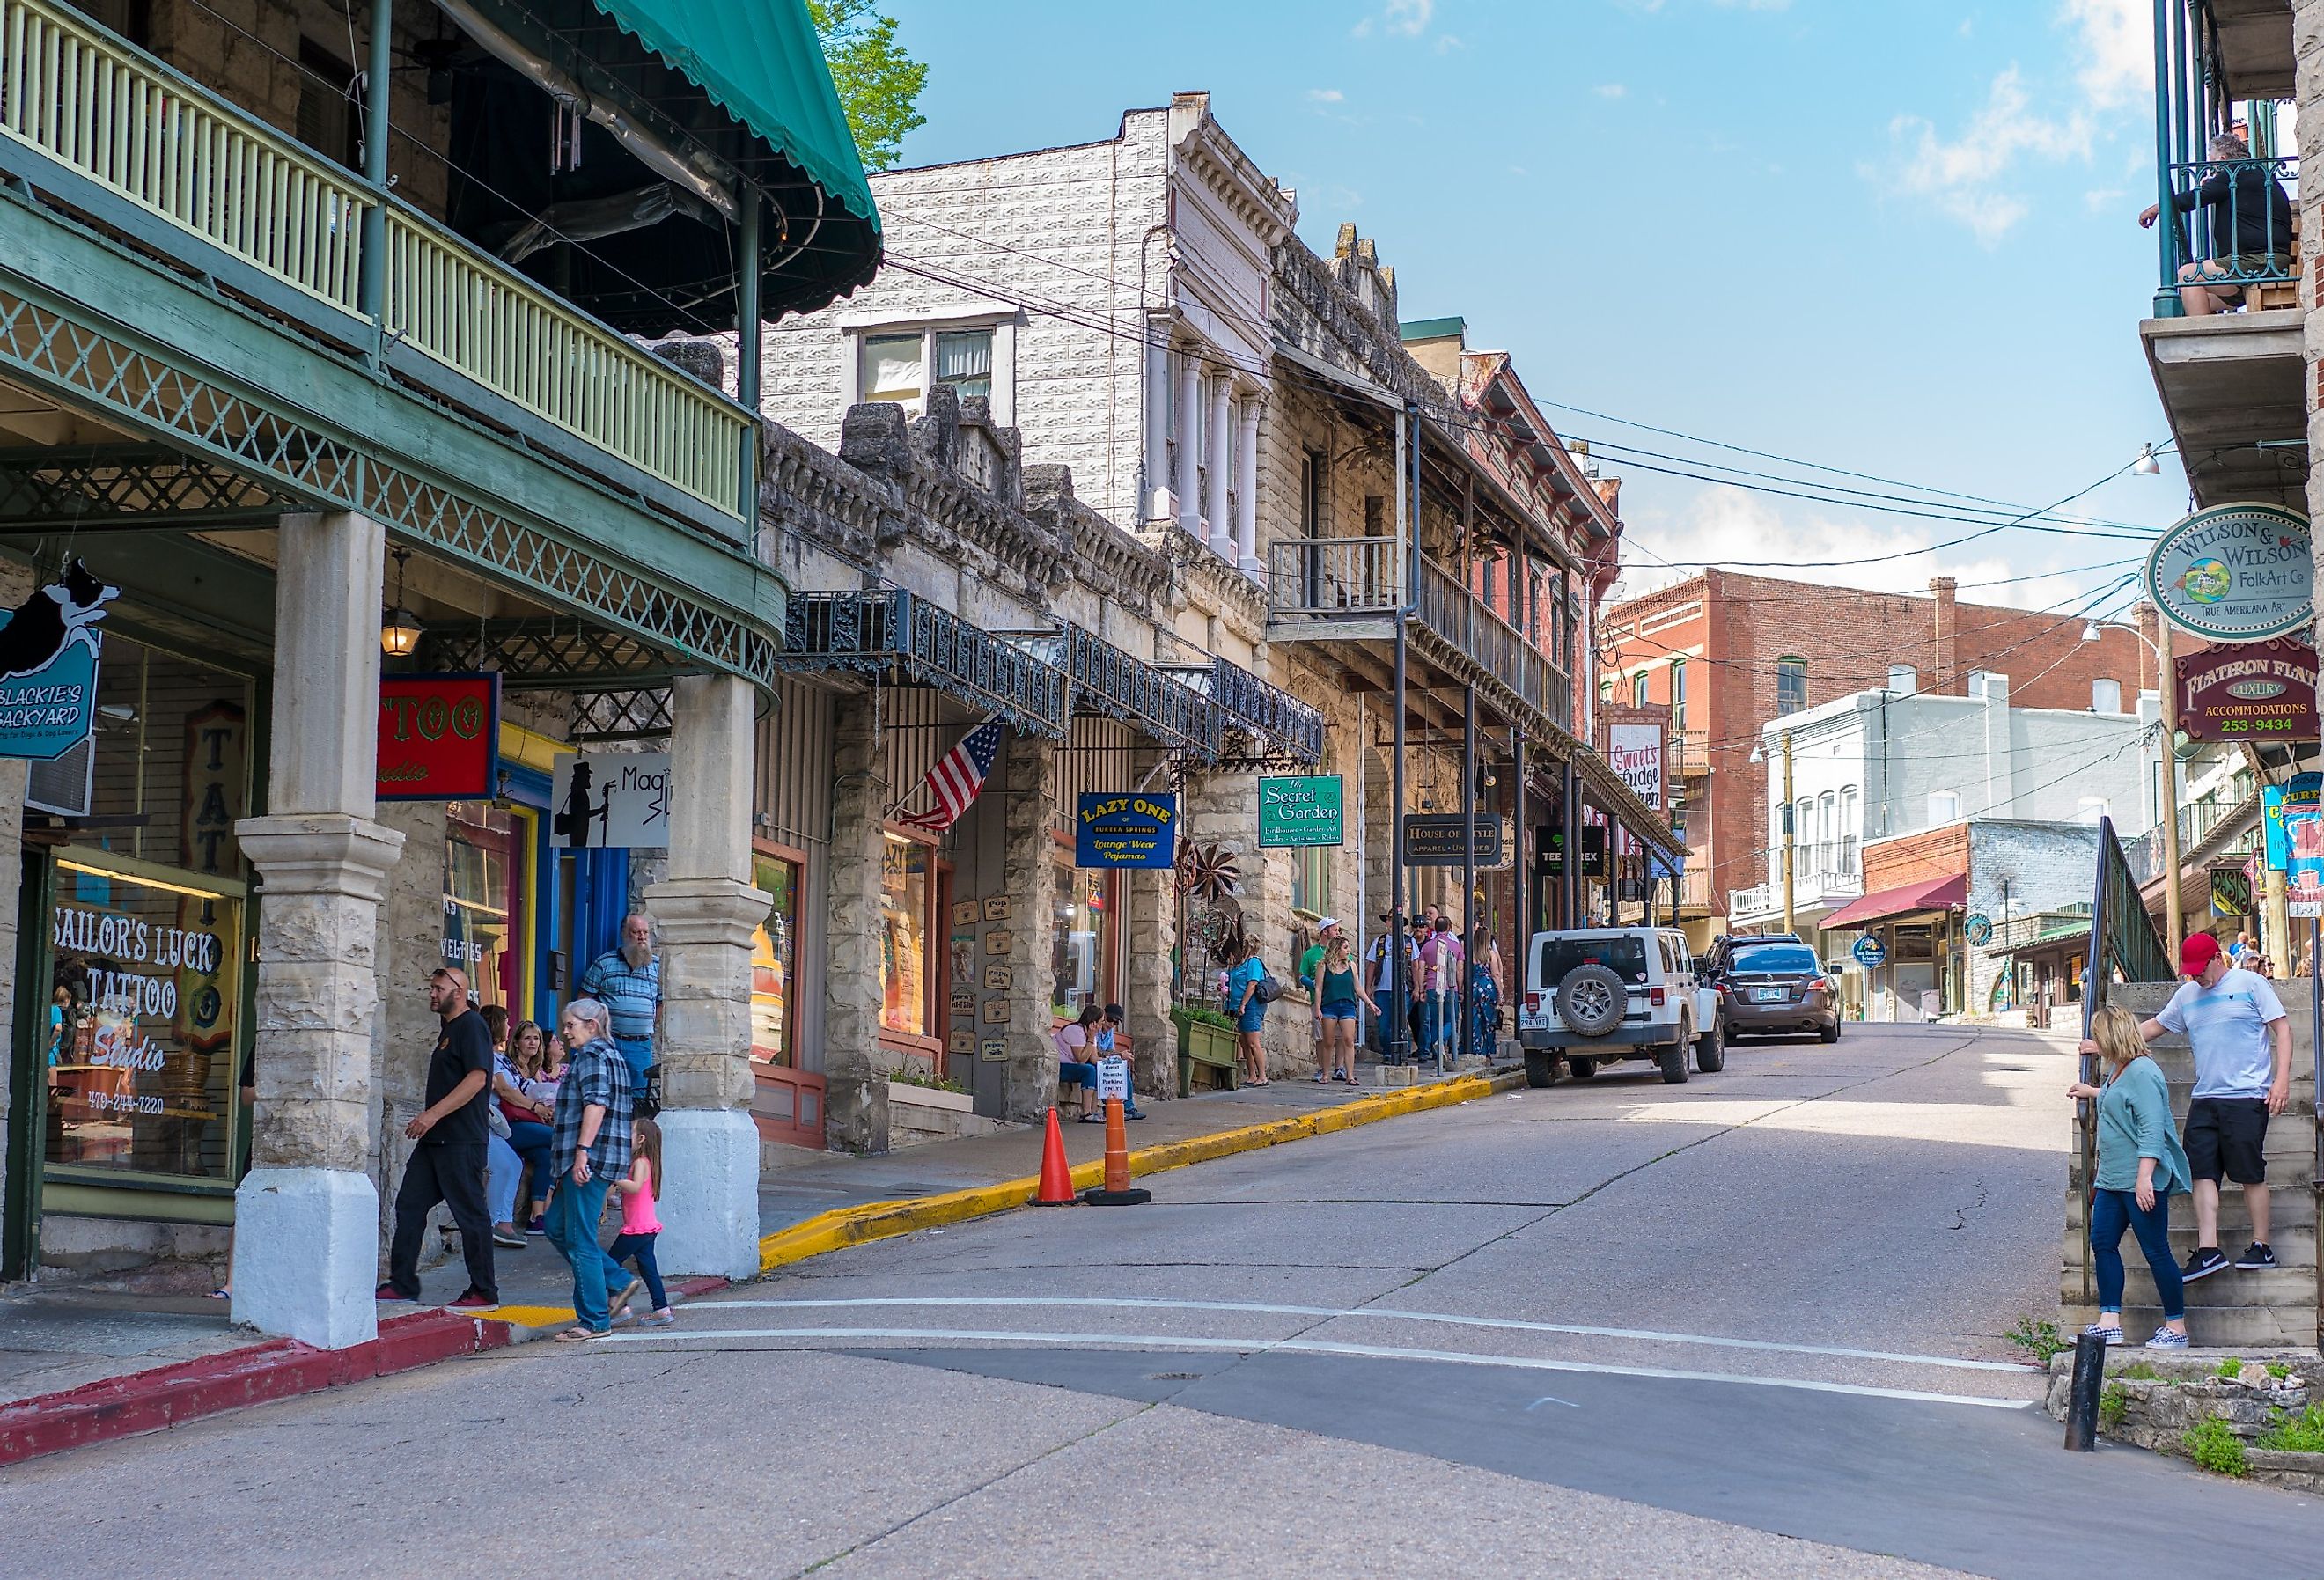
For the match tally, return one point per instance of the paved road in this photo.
(1749, 1325)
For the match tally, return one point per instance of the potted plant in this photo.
(1206, 1040)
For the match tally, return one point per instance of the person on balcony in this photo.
(2245, 211)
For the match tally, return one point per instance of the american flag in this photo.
(957, 778)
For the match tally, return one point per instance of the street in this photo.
(1751, 1324)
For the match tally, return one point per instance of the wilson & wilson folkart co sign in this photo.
(2233, 573)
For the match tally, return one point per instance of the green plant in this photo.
(934, 1083)
(2140, 1372)
(1203, 1015)
(2231, 1368)
(2214, 1447)
(2279, 1370)
(2300, 1434)
(2113, 1405)
(2038, 1337)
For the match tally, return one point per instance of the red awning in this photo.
(1932, 894)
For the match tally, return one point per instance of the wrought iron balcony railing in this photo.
(2240, 229)
(191, 165)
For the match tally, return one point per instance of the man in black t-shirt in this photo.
(448, 1163)
(2244, 231)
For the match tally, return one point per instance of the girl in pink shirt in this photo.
(639, 1226)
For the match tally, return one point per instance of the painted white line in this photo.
(926, 1337)
(1507, 1324)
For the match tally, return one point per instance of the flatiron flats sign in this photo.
(2255, 691)
(2233, 573)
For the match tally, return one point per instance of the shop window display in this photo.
(906, 889)
(482, 899)
(1083, 941)
(774, 952)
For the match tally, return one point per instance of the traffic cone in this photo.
(1057, 1175)
(1117, 1190)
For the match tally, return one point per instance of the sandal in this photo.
(1321, 1077)
(577, 1335)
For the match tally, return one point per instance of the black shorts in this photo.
(2227, 1135)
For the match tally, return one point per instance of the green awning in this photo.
(761, 63)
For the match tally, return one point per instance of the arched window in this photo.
(1678, 694)
(2106, 696)
(1945, 806)
(1638, 690)
(1803, 834)
(1847, 832)
(1605, 691)
(1791, 684)
(1828, 850)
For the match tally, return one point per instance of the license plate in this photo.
(1767, 995)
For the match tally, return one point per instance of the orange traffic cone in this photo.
(1117, 1190)
(1057, 1175)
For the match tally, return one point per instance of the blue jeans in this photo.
(530, 1140)
(641, 1246)
(572, 1224)
(1438, 1017)
(638, 1053)
(502, 1166)
(2112, 1212)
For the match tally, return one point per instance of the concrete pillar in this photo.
(1222, 437)
(15, 584)
(306, 1216)
(1247, 487)
(1157, 507)
(1029, 1084)
(1190, 455)
(705, 912)
(855, 1095)
(1151, 904)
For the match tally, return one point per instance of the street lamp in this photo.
(2175, 921)
(2147, 466)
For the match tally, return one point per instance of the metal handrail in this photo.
(2122, 939)
(1452, 611)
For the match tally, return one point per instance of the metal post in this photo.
(1791, 838)
(2083, 1401)
(1518, 898)
(371, 275)
(2166, 218)
(2316, 1031)
(1469, 788)
(1571, 818)
(748, 350)
(2175, 920)
(1395, 1039)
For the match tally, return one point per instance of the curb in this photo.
(278, 1369)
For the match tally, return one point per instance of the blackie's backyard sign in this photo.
(2257, 691)
(47, 666)
(2233, 573)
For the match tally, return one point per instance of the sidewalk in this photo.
(80, 1352)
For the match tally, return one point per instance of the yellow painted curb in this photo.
(842, 1227)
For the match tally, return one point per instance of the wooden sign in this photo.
(1000, 978)
(439, 737)
(1001, 942)
(995, 1012)
(996, 908)
(966, 913)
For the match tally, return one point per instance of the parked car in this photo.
(1724, 949)
(1594, 995)
(1774, 989)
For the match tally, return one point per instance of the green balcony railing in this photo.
(96, 105)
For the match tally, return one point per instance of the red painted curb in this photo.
(164, 1396)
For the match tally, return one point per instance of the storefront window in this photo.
(906, 893)
(774, 952)
(144, 1019)
(482, 901)
(1083, 943)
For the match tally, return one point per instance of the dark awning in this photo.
(1905, 900)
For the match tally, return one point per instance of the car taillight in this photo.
(1722, 987)
(1819, 984)
(1533, 1003)
(1654, 995)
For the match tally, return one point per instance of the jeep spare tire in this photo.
(1591, 1000)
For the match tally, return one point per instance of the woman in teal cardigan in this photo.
(2139, 1164)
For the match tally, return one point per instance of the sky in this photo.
(1893, 236)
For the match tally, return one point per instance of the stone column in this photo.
(1190, 455)
(705, 912)
(306, 1246)
(1156, 505)
(1031, 1082)
(1246, 486)
(855, 1095)
(1151, 903)
(15, 584)
(1222, 437)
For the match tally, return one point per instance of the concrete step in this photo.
(2242, 1327)
(2289, 1211)
(2147, 999)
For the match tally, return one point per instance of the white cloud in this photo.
(1753, 4)
(1609, 90)
(1966, 178)
(1325, 96)
(2117, 43)
(1405, 18)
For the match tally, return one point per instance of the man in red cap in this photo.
(2242, 1042)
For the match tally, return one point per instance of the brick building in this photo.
(1727, 652)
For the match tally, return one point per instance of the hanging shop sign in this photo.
(610, 800)
(2257, 691)
(1301, 810)
(1870, 951)
(47, 666)
(1117, 828)
(2233, 573)
(2299, 796)
(439, 737)
(2304, 840)
(1433, 839)
(1593, 851)
(2231, 892)
(1977, 928)
(1635, 754)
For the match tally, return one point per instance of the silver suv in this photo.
(1597, 994)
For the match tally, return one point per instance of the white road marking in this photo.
(1507, 1324)
(1551, 1398)
(1127, 1341)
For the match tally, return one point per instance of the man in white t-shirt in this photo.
(2236, 1024)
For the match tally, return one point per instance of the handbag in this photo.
(1268, 989)
(496, 1121)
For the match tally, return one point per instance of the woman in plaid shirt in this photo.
(589, 1147)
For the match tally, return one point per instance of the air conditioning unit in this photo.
(64, 785)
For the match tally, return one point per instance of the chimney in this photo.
(2149, 627)
(1946, 619)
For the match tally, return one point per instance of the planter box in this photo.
(1204, 1048)
(902, 1093)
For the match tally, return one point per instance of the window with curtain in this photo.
(1848, 831)
(1638, 690)
(1803, 833)
(963, 359)
(893, 370)
(1678, 693)
(1791, 684)
(1827, 833)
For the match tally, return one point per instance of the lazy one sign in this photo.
(2233, 573)
(1113, 828)
(439, 737)
(47, 666)
(610, 800)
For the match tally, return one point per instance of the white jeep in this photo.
(1597, 994)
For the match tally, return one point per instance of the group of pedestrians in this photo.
(500, 1104)
(2242, 1044)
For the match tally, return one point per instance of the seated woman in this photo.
(1075, 1063)
(526, 1100)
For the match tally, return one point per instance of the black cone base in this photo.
(1098, 1197)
